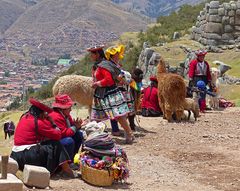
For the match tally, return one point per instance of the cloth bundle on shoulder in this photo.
(100, 144)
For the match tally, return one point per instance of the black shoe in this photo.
(74, 166)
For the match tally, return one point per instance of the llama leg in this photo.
(179, 115)
(161, 104)
(168, 115)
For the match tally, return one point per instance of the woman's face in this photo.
(115, 58)
(67, 111)
(94, 56)
(201, 58)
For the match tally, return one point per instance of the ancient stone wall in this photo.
(218, 24)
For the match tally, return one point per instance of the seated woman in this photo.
(72, 138)
(36, 141)
(150, 102)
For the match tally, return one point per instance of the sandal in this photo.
(129, 139)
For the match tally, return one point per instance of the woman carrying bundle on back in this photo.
(109, 102)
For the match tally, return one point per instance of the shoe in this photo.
(130, 139)
(74, 166)
(117, 133)
(72, 174)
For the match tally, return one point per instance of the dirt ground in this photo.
(188, 156)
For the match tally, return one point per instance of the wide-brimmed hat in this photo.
(201, 52)
(40, 105)
(95, 48)
(62, 101)
(153, 78)
(112, 50)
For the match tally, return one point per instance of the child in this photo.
(202, 91)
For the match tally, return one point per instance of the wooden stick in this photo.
(4, 167)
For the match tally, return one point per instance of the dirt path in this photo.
(200, 156)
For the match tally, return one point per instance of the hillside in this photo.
(55, 27)
(154, 8)
(9, 13)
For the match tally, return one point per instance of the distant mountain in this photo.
(154, 8)
(53, 27)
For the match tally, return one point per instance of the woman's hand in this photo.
(78, 123)
(95, 85)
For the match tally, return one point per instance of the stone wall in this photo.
(218, 24)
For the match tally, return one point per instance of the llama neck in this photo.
(161, 67)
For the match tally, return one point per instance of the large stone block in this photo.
(227, 36)
(214, 4)
(231, 13)
(225, 20)
(238, 4)
(214, 28)
(12, 183)
(228, 28)
(227, 6)
(237, 28)
(12, 166)
(231, 20)
(213, 11)
(213, 36)
(36, 176)
(238, 12)
(221, 11)
(215, 18)
(237, 19)
(233, 6)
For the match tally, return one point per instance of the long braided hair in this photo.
(35, 112)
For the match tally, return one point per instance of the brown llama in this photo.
(171, 91)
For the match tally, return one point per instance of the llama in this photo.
(172, 92)
(77, 87)
(214, 101)
(190, 105)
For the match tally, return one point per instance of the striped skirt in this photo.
(111, 104)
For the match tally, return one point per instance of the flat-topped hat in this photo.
(95, 48)
(62, 101)
(40, 105)
(201, 52)
(112, 50)
(153, 78)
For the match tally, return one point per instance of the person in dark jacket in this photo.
(36, 141)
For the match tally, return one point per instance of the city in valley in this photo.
(16, 78)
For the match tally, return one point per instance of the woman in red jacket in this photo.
(109, 102)
(72, 137)
(199, 70)
(150, 102)
(36, 141)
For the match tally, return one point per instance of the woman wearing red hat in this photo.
(72, 138)
(150, 102)
(36, 140)
(199, 69)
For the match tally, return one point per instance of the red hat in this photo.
(95, 48)
(40, 105)
(62, 102)
(153, 78)
(201, 52)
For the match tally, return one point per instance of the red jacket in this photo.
(104, 76)
(150, 99)
(194, 70)
(61, 123)
(25, 133)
